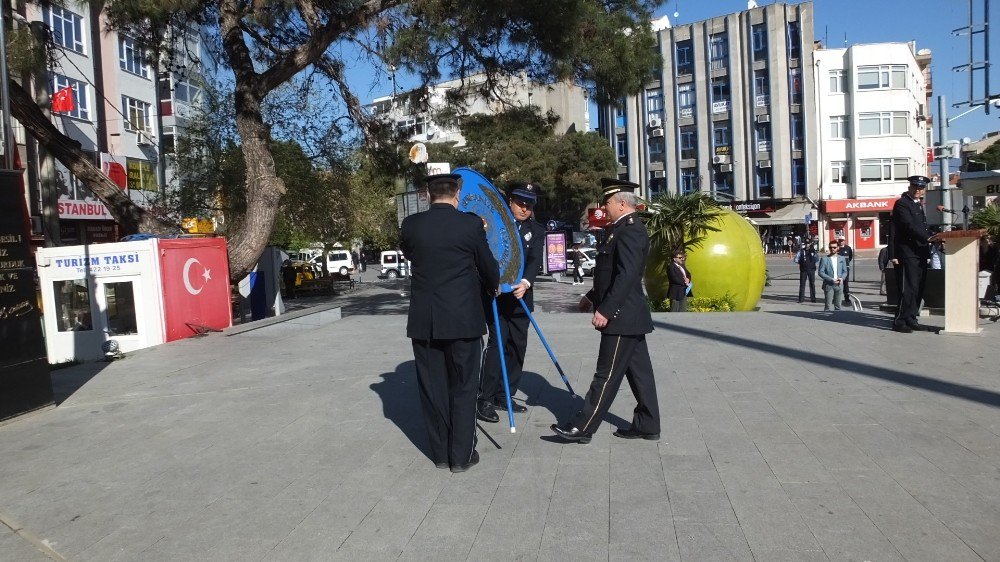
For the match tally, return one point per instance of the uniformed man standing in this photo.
(513, 320)
(452, 269)
(910, 252)
(622, 316)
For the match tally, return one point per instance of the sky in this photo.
(928, 23)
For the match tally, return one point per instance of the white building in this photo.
(426, 122)
(874, 132)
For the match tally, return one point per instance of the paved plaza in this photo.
(788, 434)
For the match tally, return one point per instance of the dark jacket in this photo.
(533, 242)
(677, 289)
(617, 292)
(452, 268)
(909, 230)
(807, 258)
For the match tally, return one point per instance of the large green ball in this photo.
(728, 261)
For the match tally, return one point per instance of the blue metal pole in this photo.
(503, 366)
(547, 348)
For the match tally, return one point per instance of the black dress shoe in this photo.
(472, 462)
(486, 412)
(921, 328)
(572, 434)
(631, 433)
(441, 465)
(501, 403)
(902, 328)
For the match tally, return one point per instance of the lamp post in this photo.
(9, 145)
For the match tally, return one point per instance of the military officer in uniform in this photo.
(452, 269)
(513, 320)
(910, 250)
(622, 316)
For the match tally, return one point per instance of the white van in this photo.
(394, 265)
(337, 261)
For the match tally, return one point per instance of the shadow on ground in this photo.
(67, 380)
(401, 404)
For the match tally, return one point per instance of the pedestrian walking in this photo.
(577, 265)
(453, 269)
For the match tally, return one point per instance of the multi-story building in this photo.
(434, 120)
(874, 133)
(731, 113)
(124, 114)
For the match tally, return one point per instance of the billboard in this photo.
(555, 251)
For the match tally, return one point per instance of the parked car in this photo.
(337, 261)
(393, 265)
(589, 260)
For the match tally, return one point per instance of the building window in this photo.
(689, 180)
(794, 40)
(795, 85)
(838, 172)
(881, 77)
(884, 169)
(66, 26)
(620, 115)
(138, 115)
(131, 58)
(72, 299)
(765, 182)
(761, 88)
(720, 94)
(684, 57)
(657, 147)
(758, 35)
(688, 143)
(838, 82)
(657, 184)
(654, 101)
(883, 123)
(722, 182)
(685, 100)
(797, 131)
(763, 134)
(81, 103)
(798, 177)
(718, 51)
(838, 127)
(622, 150)
(721, 138)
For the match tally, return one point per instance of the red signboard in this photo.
(873, 205)
(597, 218)
(195, 276)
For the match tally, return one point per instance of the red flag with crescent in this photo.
(63, 100)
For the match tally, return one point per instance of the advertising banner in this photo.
(555, 251)
(195, 274)
(141, 174)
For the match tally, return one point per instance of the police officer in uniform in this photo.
(513, 320)
(452, 269)
(910, 250)
(622, 316)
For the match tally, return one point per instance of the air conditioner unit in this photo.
(655, 123)
(764, 164)
(720, 159)
(656, 133)
(764, 118)
(142, 139)
(659, 174)
(726, 168)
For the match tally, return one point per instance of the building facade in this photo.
(873, 111)
(731, 113)
(427, 121)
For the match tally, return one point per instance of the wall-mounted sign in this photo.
(873, 205)
(141, 174)
(555, 251)
(762, 206)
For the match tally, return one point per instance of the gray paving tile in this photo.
(711, 541)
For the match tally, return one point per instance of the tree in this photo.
(264, 44)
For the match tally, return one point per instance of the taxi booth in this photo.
(135, 294)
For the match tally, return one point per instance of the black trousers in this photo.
(847, 288)
(514, 335)
(448, 377)
(621, 357)
(807, 276)
(910, 276)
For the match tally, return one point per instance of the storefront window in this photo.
(120, 299)
(73, 305)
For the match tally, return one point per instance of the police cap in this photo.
(524, 191)
(444, 179)
(919, 181)
(610, 186)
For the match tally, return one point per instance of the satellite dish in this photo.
(418, 153)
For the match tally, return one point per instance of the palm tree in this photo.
(989, 218)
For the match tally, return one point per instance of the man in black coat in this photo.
(679, 279)
(807, 258)
(513, 320)
(848, 253)
(910, 251)
(621, 313)
(452, 269)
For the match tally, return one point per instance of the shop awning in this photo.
(980, 183)
(793, 213)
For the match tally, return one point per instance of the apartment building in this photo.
(731, 113)
(873, 110)
(433, 120)
(125, 114)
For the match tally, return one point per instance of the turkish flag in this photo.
(195, 277)
(63, 100)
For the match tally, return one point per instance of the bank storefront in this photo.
(778, 218)
(863, 223)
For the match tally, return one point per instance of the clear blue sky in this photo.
(863, 21)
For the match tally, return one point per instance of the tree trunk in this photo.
(131, 217)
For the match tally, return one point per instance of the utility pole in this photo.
(943, 160)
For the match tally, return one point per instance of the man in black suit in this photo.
(848, 253)
(452, 269)
(910, 250)
(513, 320)
(622, 316)
(679, 279)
